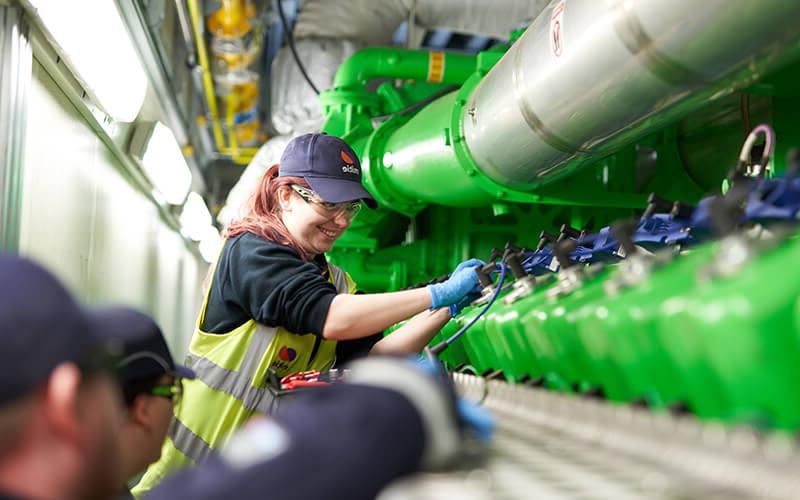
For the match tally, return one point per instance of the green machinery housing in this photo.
(574, 122)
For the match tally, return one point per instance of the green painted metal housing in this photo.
(723, 348)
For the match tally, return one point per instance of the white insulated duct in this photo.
(267, 155)
(294, 105)
(373, 22)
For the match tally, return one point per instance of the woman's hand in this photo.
(462, 282)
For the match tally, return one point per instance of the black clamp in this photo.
(623, 231)
(656, 204)
(681, 210)
(725, 211)
(512, 257)
(561, 251)
(484, 272)
(545, 239)
(568, 231)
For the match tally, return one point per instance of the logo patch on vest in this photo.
(287, 354)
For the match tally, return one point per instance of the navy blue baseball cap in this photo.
(329, 165)
(145, 353)
(42, 326)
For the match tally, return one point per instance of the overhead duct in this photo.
(373, 22)
(294, 105)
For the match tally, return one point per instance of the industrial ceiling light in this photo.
(195, 217)
(94, 40)
(162, 161)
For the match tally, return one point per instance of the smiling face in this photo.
(312, 227)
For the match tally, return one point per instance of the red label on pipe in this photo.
(557, 28)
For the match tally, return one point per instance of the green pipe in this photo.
(414, 160)
(410, 163)
(417, 65)
(420, 164)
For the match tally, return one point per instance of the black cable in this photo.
(290, 40)
(417, 105)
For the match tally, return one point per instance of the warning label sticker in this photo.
(557, 29)
(436, 66)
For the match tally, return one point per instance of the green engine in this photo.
(550, 147)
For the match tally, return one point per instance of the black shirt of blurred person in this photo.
(151, 383)
(60, 408)
(387, 420)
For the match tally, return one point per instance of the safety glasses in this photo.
(348, 209)
(172, 391)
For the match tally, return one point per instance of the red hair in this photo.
(263, 215)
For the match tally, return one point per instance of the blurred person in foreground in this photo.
(63, 422)
(60, 408)
(389, 418)
(151, 383)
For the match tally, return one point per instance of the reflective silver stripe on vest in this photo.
(187, 442)
(339, 279)
(239, 383)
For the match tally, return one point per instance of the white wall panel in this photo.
(83, 220)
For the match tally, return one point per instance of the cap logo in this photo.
(349, 168)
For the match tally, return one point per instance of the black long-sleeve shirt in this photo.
(270, 283)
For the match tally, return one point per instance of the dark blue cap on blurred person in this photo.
(41, 326)
(329, 165)
(144, 350)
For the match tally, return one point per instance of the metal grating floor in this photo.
(554, 446)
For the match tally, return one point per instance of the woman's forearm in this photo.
(414, 335)
(357, 316)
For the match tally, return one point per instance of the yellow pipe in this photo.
(242, 151)
(208, 82)
(241, 156)
(231, 105)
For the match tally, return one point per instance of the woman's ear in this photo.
(284, 198)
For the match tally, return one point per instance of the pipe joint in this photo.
(377, 161)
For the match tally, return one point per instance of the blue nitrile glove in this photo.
(461, 282)
(428, 388)
(469, 263)
(455, 309)
(473, 418)
(476, 419)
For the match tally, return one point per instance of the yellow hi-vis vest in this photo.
(231, 383)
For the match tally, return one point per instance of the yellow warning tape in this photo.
(436, 67)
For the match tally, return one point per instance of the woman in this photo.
(275, 305)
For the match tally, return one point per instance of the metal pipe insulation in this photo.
(589, 76)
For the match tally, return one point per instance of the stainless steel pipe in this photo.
(590, 76)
